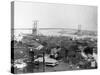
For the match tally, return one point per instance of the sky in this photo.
(55, 15)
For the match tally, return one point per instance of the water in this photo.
(57, 32)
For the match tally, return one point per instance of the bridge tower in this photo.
(34, 29)
(79, 30)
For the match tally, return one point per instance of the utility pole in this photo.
(43, 61)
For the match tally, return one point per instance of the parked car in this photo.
(19, 63)
(48, 61)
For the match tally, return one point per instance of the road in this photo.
(60, 67)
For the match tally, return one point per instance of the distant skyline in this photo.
(55, 15)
